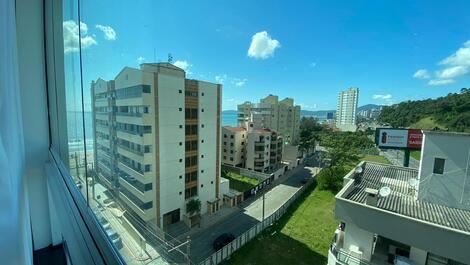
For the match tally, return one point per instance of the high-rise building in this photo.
(157, 141)
(282, 116)
(346, 109)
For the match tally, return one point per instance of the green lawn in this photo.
(416, 155)
(302, 236)
(240, 183)
(375, 158)
(427, 123)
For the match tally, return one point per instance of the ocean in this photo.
(75, 125)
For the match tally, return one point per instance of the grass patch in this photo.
(240, 183)
(416, 155)
(302, 236)
(427, 123)
(376, 158)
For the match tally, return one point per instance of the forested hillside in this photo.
(451, 112)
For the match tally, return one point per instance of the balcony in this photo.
(130, 171)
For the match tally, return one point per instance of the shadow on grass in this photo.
(274, 247)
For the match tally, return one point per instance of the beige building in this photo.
(279, 115)
(233, 144)
(157, 138)
(258, 149)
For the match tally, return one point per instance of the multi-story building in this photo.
(158, 141)
(399, 215)
(346, 109)
(254, 148)
(282, 116)
(234, 146)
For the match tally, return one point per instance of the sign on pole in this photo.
(389, 138)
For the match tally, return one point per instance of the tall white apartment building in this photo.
(398, 215)
(157, 138)
(346, 109)
(279, 115)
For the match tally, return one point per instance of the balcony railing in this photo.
(344, 258)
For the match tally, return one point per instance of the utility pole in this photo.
(406, 158)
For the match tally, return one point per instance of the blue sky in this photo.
(307, 50)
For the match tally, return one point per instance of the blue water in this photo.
(229, 119)
(75, 124)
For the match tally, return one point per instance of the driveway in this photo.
(250, 214)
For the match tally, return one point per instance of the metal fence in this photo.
(244, 238)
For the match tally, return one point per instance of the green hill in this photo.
(451, 112)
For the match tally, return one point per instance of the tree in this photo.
(193, 206)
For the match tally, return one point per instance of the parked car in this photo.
(223, 240)
(304, 180)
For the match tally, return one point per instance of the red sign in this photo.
(415, 139)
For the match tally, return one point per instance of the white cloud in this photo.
(182, 64)
(71, 36)
(460, 57)
(185, 65)
(422, 74)
(239, 82)
(221, 78)
(262, 46)
(383, 97)
(452, 72)
(109, 33)
(440, 82)
(140, 59)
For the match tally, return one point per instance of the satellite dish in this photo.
(385, 191)
(413, 183)
(358, 170)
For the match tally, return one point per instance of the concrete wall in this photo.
(363, 239)
(453, 187)
(207, 165)
(171, 153)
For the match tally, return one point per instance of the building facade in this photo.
(279, 115)
(346, 109)
(157, 138)
(399, 215)
(258, 149)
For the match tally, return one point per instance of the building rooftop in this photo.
(235, 129)
(403, 197)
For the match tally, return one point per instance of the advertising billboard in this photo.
(398, 138)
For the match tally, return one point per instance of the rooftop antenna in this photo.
(170, 58)
(385, 191)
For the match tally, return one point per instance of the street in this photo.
(396, 158)
(250, 214)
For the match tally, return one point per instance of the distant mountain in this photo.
(230, 112)
(368, 107)
(315, 113)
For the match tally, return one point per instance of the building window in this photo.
(181, 126)
(231, 136)
(180, 91)
(180, 109)
(225, 136)
(439, 164)
(202, 125)
(202, 141)
(202, 94)
(202, 110)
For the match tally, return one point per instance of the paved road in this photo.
(396, 158)
(251, 214)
